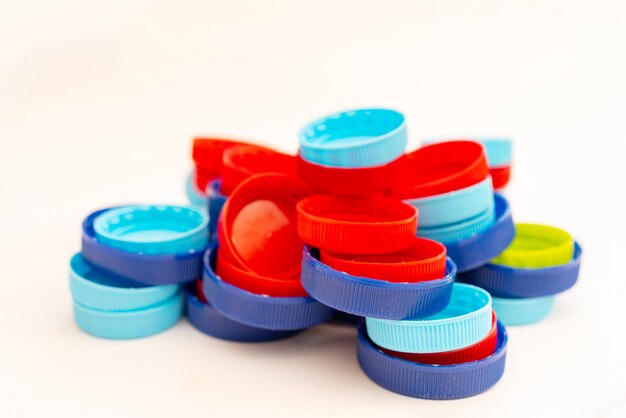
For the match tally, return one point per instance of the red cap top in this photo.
(257, 226)
(440, 168)
(240, 162)
(482, 349)
(361, 181)
(374, 225)
(207, 156)
(500, 176)
(424, 260)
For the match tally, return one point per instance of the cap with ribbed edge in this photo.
(260, 311)
(153, 229)
(208, 321)
(456, 206)
(537, 246)
(148, 269)
(424, 260)
(373, 225)
(474, 352)
(196, 197)
(129, 324)
(355, 138)
(513, 282)
(465, 321)
(500, 177)
(431, 381)
(97, 289)
(374, 298)
(215, 202)
(523, 311)
(461, 230)
(479, 249)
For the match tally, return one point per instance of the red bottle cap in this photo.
(361, 181)
(500, 176)
(424, 260)
(257, 226)
(207, 156)
(198, 292)
(440, 168)
(255, 283)
(475, 352)
(374, 225)
(241, 162)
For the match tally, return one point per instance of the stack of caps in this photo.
(125, 281)
(450, 185)
(541, 262)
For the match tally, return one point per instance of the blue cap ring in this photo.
(428, 381)
(456, 206)
(465, 321)
(479, 249)
(208, 321)
(153, 229)
(132, 323)
(215, 202)
(98, 289)
(355, 138)
(523, 311)
(148, 269)
(511, 282)
(373, 298)
(259, 311)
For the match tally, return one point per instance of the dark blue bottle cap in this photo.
(512, 282)
(215, 202)
(479, 249)
(207, 320)
(148, 269)
(260, 311)
(374, 298)
(429, 381)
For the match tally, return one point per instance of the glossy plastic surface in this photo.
(523, 311)
(375, 225)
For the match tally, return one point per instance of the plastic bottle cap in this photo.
(461, 230)
(360, 181)
(374, 225)
(98, 289)
(465, 321)
(536, 246)
(423, 260)
(431, 381)
(514, 282)
(257, 227)
(255, 283)
(355, 138)
(500, 176)
(523, 311)
(153, 229)
(474, 352)
(207, 152)
(441, 168)
(241, 162)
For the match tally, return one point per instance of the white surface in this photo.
(98, 104)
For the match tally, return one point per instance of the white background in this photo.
(98, 105)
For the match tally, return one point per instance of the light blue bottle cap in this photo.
(465, 321)
(129, 324)
(195, 196)
(97, 289)
(498, 150)
(523, 311)
(153, 229)
(456, 206)
(460, 230)
(356, 138)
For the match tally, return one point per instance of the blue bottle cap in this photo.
(135, 323)
(429, 381)
(148, 269)
(153, 229)
(374, 298)
(259, 311)
(355, 138)
(196, 197)
(460, 230)
(215, 202)
(523, 311)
